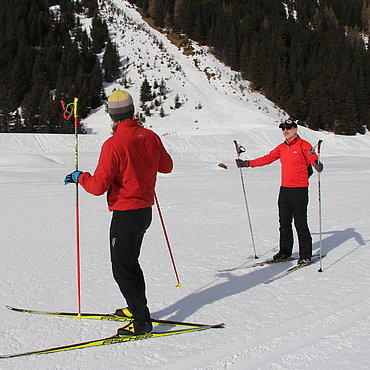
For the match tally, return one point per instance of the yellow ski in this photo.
(111, 340)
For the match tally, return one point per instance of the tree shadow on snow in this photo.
(235, 284)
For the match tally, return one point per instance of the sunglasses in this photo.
(286, 127)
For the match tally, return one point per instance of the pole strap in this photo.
(69, 110)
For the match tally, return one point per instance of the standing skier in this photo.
(296, 156)
(127, 171)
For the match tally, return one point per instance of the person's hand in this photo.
(72, 177)
(318, 166)
(241, 163)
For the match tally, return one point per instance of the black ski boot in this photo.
(281, 256)
(303, 261)
(123, 312)
(136, 328)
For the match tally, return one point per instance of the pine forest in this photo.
(311, 58)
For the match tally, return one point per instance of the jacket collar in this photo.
(291, 142)
(125, 123)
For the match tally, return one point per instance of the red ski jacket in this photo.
(295, 158)
(127, 167)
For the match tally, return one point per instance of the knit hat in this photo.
(120, 105)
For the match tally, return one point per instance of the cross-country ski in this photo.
(293, 269)
(110, 340)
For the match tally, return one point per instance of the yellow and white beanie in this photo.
(120, 105)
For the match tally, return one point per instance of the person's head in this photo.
(289, 128)
(120, 106)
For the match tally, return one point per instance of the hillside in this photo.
(211, 95)
(310, 57)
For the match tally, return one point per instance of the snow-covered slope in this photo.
(199, 80)
(308, 320)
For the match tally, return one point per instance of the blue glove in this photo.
(72, 177)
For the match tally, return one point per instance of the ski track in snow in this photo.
(280, 349)
(305, 321)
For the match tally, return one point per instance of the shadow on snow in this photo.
(235, 284)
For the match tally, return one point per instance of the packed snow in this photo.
(307, 320)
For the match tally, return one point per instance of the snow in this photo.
(308, 320)
(290, 12)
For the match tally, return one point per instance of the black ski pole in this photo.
(319, 191)
(240, 149)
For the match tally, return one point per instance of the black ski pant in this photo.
(126, 235)
(293, 205)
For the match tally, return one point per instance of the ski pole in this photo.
(167, 240)
(240, 149)
(319, 191)
(69, 111)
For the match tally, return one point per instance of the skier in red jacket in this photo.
(127, 170)
(296, 156)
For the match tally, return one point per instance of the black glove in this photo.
(318, 166)
(241, 163)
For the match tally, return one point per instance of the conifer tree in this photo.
(92, 6)
(177, 102)
(145, 92)
(162, 88)
(111, 62)
(99, 34)
(162, 113)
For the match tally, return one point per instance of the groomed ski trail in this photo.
(314, 332)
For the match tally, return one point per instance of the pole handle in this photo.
(319, 146)
(239, 149)
(75, 111)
